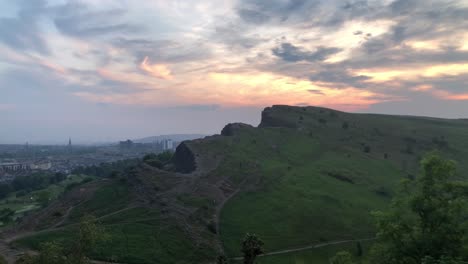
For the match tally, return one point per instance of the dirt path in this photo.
(220, 207)
(285, 251)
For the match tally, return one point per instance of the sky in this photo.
(104, 70)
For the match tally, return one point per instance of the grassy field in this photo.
(137, 235)
(22, 204)
(133, 234)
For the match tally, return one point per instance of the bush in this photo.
(71, 186)
(86, 180)
(367, 149)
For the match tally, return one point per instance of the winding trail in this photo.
(285, 251)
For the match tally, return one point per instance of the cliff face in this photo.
(184, 159)
(278, 116)
(230, 129)
(296, 116)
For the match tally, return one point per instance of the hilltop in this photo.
(304, 176)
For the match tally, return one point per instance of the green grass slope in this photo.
(309, 175)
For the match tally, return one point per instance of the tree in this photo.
(50, 253)
(342, 257)
(43, 198)
(252, 246)
(359, 252)
(425, 223)
(221, 260)
(6, 215)
(90, 233)
(5, 190)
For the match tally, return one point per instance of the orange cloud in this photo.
(450, 96)
(157, 70)
(243, 89)
(422, 88)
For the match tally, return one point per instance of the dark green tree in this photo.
(252, 246)
(221, 260)
(359, 252)
(6, 215)
(342, 257)
(50, 253)
(426, 221)
(90, 233)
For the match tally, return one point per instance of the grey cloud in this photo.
(425, 20)
(235, 37)
(382, 53)
(304, 13)
(317, 92)
(415, 20)
(253, 16)
(23, 33)
(76, 19)
(339, 78)
(164, 50)
(291, 53)
(255, 11)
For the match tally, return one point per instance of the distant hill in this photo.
(305, 176)
(174, 137)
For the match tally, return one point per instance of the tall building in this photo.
(69, 144)
(168, 144)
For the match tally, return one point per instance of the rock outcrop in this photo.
(231, 128)
(184, 159)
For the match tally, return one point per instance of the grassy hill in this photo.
(305, 176)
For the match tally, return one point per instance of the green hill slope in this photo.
(305, 176)
(308, 175)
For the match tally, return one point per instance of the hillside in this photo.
(304, 176)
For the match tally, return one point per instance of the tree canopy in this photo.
(426, 222)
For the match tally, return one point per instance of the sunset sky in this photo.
(101, 70)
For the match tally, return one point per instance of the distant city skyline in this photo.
(100, 71)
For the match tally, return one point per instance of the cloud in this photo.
(76, 19)
(315, 91)
(450, 96)
(291, 53)
(339, 78)
(236, 37)
(206, 54)
(23, 32)
(164, 50)
(157, 70)
(253, 16)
